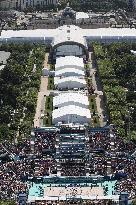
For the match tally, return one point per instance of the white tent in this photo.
(69, 72)
(82, 16)
(70, 98)
(72, 32)
(69, 62)
(71, 114)
(69, 83)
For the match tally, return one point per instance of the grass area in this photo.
(88, 80)
(92, 103)
(96, 121)
(47, 120)
(50, 83)
(87, 66)
(52, 67)
(93, 109)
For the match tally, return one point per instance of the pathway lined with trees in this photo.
(101, 114)
(41, 102)
(20, 82)
(117, 71)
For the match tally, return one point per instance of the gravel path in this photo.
(99, 97)
(41, 101)
(41, 96)
(45, 64)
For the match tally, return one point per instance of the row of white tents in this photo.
(70, 106)
(69, 73)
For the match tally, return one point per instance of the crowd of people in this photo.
(111, 155)
(107, 155)
(45, 142)
(20, 162)
(73, 169)
(77, 202)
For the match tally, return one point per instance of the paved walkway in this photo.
(41, 101)
(99, 97)
(43, 92)
(45, 64)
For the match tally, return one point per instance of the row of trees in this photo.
(7, 202)
(20, 81)
(117, 70)
(98, 5)
(80, 5)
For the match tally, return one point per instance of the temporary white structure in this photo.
(82, 16)
(70, 98)
(69, 72)
(70, 33)
(69, 62)
(69, 82)
(71, 114)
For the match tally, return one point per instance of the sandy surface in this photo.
(73, 191)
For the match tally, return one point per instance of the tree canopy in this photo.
(117, 70)
(19, 88)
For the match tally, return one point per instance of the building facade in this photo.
(132, 3)
(23, 4)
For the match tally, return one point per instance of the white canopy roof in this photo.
(70, 33)
(69, 71)
(70, 97)
(71, 110)
(69, 80)
(82, 15)
(69, 62)
(109, 32)
(60, 33)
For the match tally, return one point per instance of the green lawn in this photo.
(93, 109)
(87, 66)
(92, 103)
(52, 67)
(50, 83)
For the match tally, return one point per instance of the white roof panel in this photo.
(69, 61)
(69, 79)
(70, 97)
(28, 33)
(100, 32)
(69, 33)
(82, 15)
(71, 110)
(65, 71)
